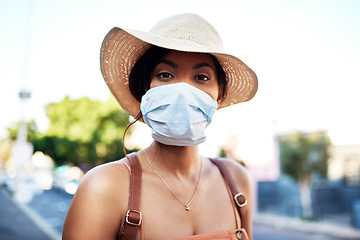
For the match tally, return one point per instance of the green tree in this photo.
(84, 131)
(75, 120)
(302, 156)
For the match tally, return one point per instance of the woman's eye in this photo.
(202, 77)
(164, 76)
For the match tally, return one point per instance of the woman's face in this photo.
(196, 69)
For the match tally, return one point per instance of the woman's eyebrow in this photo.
(167, 62)
(200, 65)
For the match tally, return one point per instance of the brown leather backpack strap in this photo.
(133, 216)
(239, 198)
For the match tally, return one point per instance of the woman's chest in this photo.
(165, 215)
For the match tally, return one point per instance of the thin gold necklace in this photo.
(187, 206)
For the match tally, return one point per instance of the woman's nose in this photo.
(185, 79)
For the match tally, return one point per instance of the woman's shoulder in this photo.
(240, 174)
(99, 203)
(104, 185)
(236, 169)
(105, 177)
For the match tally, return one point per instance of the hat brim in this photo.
(122, 48)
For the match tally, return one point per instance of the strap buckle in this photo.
(133, 223)
(240, 199)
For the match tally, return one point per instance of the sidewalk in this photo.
(18, 221)
(293, 224)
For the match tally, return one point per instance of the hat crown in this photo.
(191, 30)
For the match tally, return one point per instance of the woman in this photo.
(173, 78)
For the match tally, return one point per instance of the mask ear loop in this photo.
(127, 128)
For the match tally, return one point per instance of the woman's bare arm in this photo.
(99, 205)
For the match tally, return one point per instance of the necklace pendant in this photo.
(187, 206)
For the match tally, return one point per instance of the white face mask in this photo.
(178, 113)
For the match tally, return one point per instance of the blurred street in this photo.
(43, 217)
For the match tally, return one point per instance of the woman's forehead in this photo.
(188, 57)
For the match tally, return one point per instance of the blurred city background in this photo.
(299, 136)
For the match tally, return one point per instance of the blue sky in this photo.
(306, 55)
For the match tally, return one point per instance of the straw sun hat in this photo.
(121, 49)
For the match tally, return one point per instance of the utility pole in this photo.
(22, 150)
